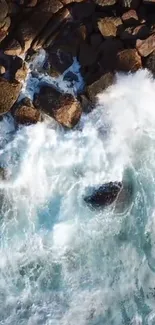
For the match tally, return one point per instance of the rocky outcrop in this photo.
(9, 92)
(64, 108)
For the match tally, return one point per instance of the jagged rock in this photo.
(150, 63)
(87, 55)
(104, 195)
(98, 86)
(30, 28)
(64, 108)
(147, 46)
(26, 113)
(3, 9)
(9, 92)
(13, 48)
(105, 3)
(2, 69)
(128, 60)
(133, 33)
(51, 29)
(133, 4)
(130, 17)
(110, 26)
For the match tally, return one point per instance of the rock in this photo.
(30, 3)
(108, 53)
(130, 18)
(9, 92)
(133, 4)
(21, 73)
(58, 61)
(128, 60)
(133, 33)
(105, 3)
(87, 55)
(64, 108)
(66, 2)
(147, 46)
(98, 86)
(3, 9)
(17, 69)
(2, 69)
(110, 26)
(104, 195)
(4, 174)
(3, 34)
(71, 76)
(96, 39)
(150, 63)
(149, 2)
(13, 48)
(27, 114)
(80, 11)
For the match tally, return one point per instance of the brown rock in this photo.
(30, 3)
(3, 9)
(3, 34)
(110, 26)
(147, 46)
(64, 108)
(98, 86)
(27, 114)
(13, 48)
(58, 61)
(129, 60)
(6, 24)
(133, 4)
(9, 92)
(21, 73)
(66, 2)
(2, 69)
(130, 17)
(150, 63)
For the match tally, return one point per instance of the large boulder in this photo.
(9, 92)
(64, 108)
(26, 113)
(99, 85)
(147, 46)
(128, 60)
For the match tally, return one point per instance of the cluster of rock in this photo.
(105, 35)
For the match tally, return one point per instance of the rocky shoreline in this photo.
(106, 36)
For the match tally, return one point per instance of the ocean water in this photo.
(62, 263)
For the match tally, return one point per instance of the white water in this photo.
(60, 262)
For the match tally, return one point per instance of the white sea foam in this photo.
(60, 262)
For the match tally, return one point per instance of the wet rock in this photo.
(130, 18)
(25, 113)
(17, 69)
(71, 76)
(133, 4)
(128, 60)
(108, 54)
(96, 39)
(21, 73)
(13, 48)
(104, 195)
(9, 92)
(150, 63)
(80, 11)
(4, 174)
(2, 69)
(147, 46)
(58, 61)
(149, 2)
(64, 108)
(98, 86)
(110, 26)
(87, 55)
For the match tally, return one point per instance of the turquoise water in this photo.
(60, 262)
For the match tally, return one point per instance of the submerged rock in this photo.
(26, 113)
(64, 108)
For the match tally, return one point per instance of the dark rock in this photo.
(130, 18)
(108, 54)
(13, 48)
(147, 46)
(128, 60)
(3, 10)
(58, 61)
(133, 33)
(105, 3)
(133, 4)
(87, 55)
(66, 2)
(64, 108)
(30, 3)
(149, 2)
(85, 103)
(9, 92)
(96, 39)
(71, 76)
(80, 11)
(110, 26)
(26, 114)
(104, 195)
(98, 86)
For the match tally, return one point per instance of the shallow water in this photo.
(60, 262)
